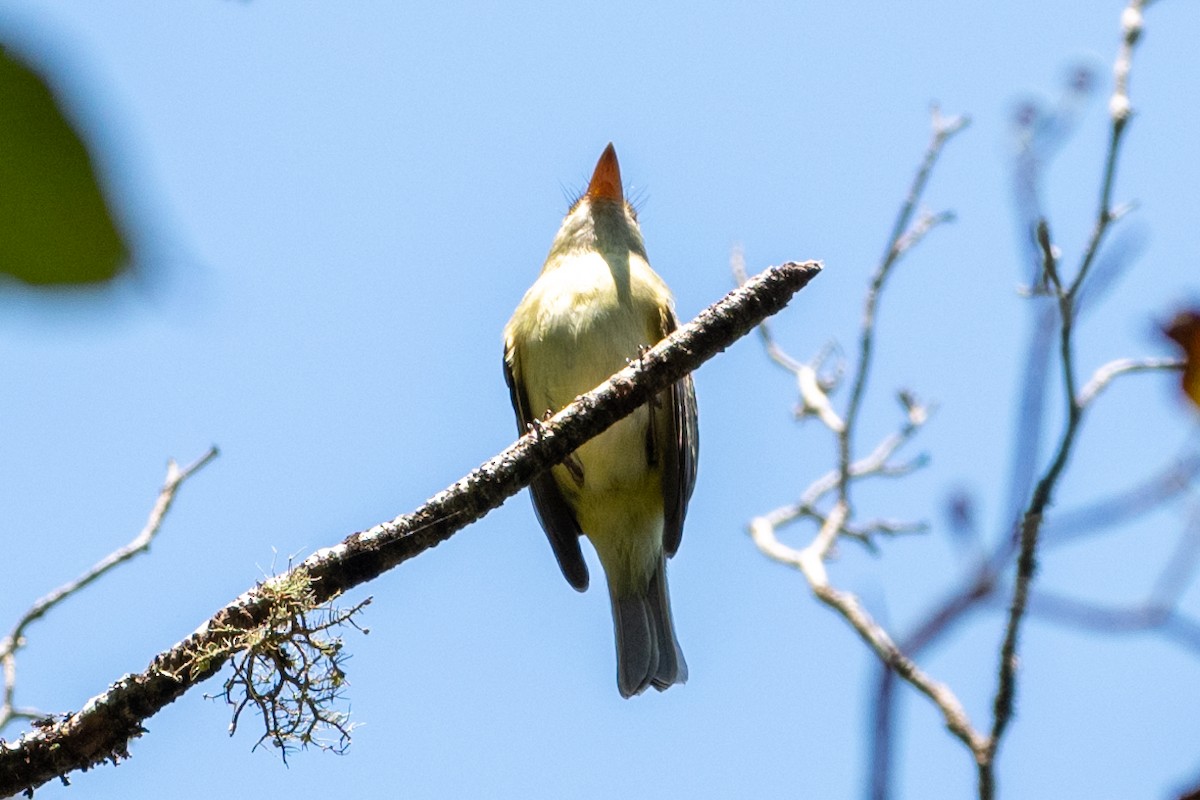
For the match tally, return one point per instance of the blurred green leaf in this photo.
(55, 227)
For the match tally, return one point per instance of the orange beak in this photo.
(606, 180)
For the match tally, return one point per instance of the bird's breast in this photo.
(584, 321)
(587, 321)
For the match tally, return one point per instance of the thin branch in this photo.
(900, 241)
(1120, 110)
(764, 530)
(15, 640)
(1029, 531)
(1022, 511)
(867, 531)
(1031, 521)
(811, 562)
(876, 463)
(921, 228)
(102, 730)
(1158, 612)
(1125, 366)
(814, 398)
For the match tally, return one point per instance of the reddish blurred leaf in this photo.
(1185, 330)
(55, 227)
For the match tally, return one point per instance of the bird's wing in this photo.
(681, 450)
(556, 517)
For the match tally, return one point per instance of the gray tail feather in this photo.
(648, 653)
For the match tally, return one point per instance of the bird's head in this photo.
(601, 219)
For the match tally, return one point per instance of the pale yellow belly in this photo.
(584, 334)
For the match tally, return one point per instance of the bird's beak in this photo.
(606, 180)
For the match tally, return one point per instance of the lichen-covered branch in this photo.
(289, 670)
(102, 729)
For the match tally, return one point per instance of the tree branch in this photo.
(140, 544)
(906, 234)
(1124, 366)
(1032, 517)
(1159, 611)
(1023, 513)
(811, 562)
(902, 239)
(102, 729)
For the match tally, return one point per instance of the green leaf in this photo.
(55, 227)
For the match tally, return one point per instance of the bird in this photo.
(594, 308)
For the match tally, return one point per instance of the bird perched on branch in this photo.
(595, 306)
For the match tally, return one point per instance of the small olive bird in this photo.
(593, 309)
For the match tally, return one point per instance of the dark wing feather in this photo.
(556, 517)
(681, 451)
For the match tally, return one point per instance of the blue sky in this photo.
(339, 205)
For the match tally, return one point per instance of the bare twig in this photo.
(1120, 110)
(1053, 320)
(814, 397)
(1124, 366)
(103, 729)
(1031, 521)
(15, 640)
(811, 562)
(1158, 612)
(901, 240)
(877, 462)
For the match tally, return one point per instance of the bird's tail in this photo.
(648, 653)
